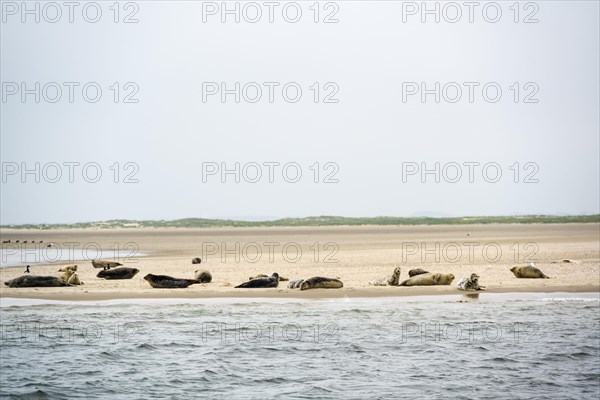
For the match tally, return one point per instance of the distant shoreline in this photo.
(313, 222)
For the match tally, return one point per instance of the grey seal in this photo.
(320, 282)
(118, 273)
(36, 281)
(168, 282)
(268, 282)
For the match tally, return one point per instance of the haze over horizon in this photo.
(369, 136)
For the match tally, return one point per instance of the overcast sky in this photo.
(370, 131)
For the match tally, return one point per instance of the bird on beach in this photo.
(27, 269)
(105, 264)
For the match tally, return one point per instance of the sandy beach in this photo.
(356, 255)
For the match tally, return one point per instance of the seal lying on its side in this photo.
(36, 281)
(528, 272)
(471, 283)
(203, 276)
(429, 280)
(168, 282)
(118, 273)
(74, 279)
(269, 282)
(295, 284)
(281, 278)
(415, 272)
(320, 282)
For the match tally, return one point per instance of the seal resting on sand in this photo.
(268, 282)
(203, 276)
(415, 272)
(168, 282)
(295, 284)
(196, 260)
(471, 283)
(392, 280)
(118, 273)
(320, 282)
(65, 276)
(74, 279)
(528, 272)
(36, 281)
(281, 278)
(105, 264)
(429, 280)
(66, 268)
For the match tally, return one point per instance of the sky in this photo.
(348, 108)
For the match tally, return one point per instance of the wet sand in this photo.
(354, 254)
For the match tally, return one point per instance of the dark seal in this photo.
(36, 281)
(168, 282)
(268, 282)
(118, 273)
(415, 272)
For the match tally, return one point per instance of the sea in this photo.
(479, 346)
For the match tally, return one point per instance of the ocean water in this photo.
(536, 346)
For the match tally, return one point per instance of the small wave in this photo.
(37, 394)
(145, 346)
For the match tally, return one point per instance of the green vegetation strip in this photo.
(316, 221)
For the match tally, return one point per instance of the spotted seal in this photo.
(203, 276)
(118, 273)
(471, 283)
(168, 282)
(320, 282)
(105, 264)
(295, 284)
(36, 281)
(392, 280)
(528, 272)
(429, 280)
(268, 282)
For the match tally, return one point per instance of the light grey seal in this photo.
(471, 283)
(295, 284)
(321, 282)
(118, 273)
(429, 280)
